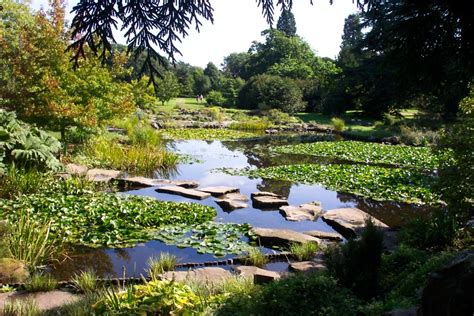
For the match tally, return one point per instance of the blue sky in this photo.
(239, 22)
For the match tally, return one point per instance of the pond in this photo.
(207, 156)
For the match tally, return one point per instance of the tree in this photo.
(236, 65)
(272, 92)
(287, 23)
(214, 75)
(167, 88)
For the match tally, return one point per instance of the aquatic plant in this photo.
(378, 183)
(85, 281)
(209, 237)
(304, 251)
(206, 134)
(255, 257)
(103, 219)
(39, 282)
(371, 153)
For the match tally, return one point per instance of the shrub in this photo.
(280, 118)
(251, 124)
(272, 92)
(215, 98)
(26, 146)
(165, 262)
(338, 124)
(316, 294)
(86, 281)
(255, 257)
(41, 283)
(304, 251)
(356, 264)
(413, 135)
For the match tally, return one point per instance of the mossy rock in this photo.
(12, 271)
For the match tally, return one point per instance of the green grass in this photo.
(255, 257)
(206, 134)
(304, 251)
(165, 262)
(86, 281)
(41, 283)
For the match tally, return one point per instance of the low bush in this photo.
(41, 283)
(255, 257)
(278, 117)
(215, 98)
(356, 264)
(251, 124)
(304, 251)
(85, 281)
(165, 262)
(413, 135)
(338, 124)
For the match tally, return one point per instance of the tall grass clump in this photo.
(18, 181)
(304, 251)
(85, 282)
(338, 124)
(255, 257)
(32, 242)
(26, 307)
(165, 262)
(41, 283)
(251, 124)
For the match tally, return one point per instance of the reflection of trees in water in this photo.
(85, 259)
(394, 214)
(279, 187)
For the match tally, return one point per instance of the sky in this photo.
(239, 22)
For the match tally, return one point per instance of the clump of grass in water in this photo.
(26, 307)
(86, 281)
(255, 257)
(338, 124)
(31, 241)
(41, 283)
(165, 262)
(304, 251)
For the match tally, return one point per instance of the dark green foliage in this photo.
(315, 294)
(356, 264)
(215, 98)
(287, 23)
(100, 219)
(438, 230)
(271, 92)
(25, 146)
(214, 75)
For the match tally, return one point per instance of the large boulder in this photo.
(450, 290)
(349, 222)
(259, 276)
(307, 266)
(102, 175)
(219, 190)
(13, 271)
(324, 235)
(281, 237)
(142, 182)
(268, 200)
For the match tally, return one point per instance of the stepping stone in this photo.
(281, 237)
(307, 266)
(260, 276)
(230, 205)
(102, 175)
(267, 200)
(76, 169)
(43, 300)
(189, 193)
(148, 182)
(205, 275)
(219, 190)
(236, 197)
(324, 235)
(304, 212)
(264, 193)
(349, 222)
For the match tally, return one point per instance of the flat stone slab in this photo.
(102, 175)
(349, 222)
(324, 235)
(260, 276)
(307, 266)
(149, 182)
(281, 237)
(268, 202)
(230, 205)
(304, 212)
(190, 193)
(264, 193)
(219, 190)
(208, 274)
(236, 197)
(76, 169)
(44, 300)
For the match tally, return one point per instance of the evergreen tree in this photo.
(287, 23)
